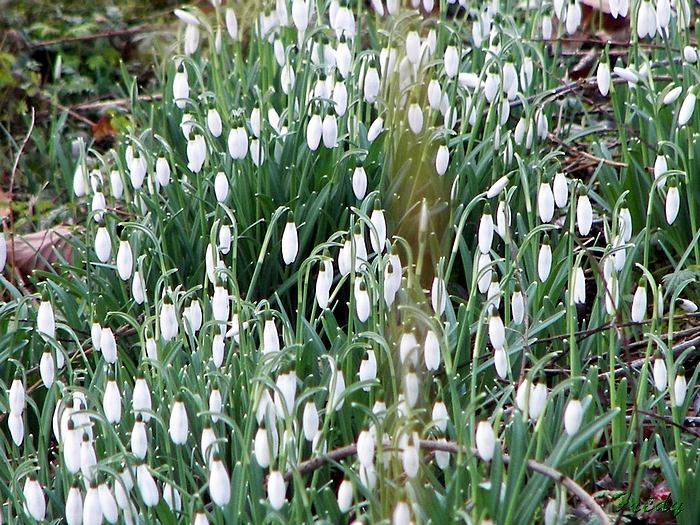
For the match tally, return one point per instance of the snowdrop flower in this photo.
(343, 57)
(492, 85)
(103, 244)
(285, 394)
(517, 304)
(579, 286)
(359, 181)
(685, 113)
(573, 414)
(232, 24)
(137, 170)
(125, 259)
(340, 98)
(72, 440)
(219, 483)
(639, 302)
(108, 345)
(410, 459)
(365, 448)
(497, 335)
(261, 447)
(687, 306)
(276, 490)
(168, 320)
(486, 230)
(47, 367)
(337, 389)
(497, 187)
(196, 152)
(74, 506)
(178, 426)
(345, 495)
(88, 457)
(624, 219)
(362, 301)
(408, 347)
(310, 420)
(108, 506)
(324, 281)
(112, 401)
(672, 95)
(207, 443)
(371, 83)
(98, 205)
(584, 212)
(442, 159)
(438, 296)
(15, 422)
(141, 398)
(485, 440)
(690, 54)
(375, 129)
(484, 271)
(660, 373)
(560, 190)
(214, 122)
(451, 59)
(660, 167)
(544, 259)
(172, 497)
(415, 117)
(538, 399)
(34, 500)
(238, 141)
(378, 234)
(402, 514)
(138, 288)
(573, 17)
(439, 414)
(646, 20)
(181, 88)
(79, 185)
(147, 486)
(225, 239)
(413, 47)
(411, 387)
(330, 130)
(220, 303)
(673, 201)
(271, 341)
(545, 201)
(45, 319)
(680, 387)
(368, 368)
(603, 76)
(500, 362)
(290, 241)
(221, 186)
(431, 350)
(314, 132)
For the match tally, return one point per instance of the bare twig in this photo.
(95, 36)
(454, 448)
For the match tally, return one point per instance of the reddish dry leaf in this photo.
(39, 250)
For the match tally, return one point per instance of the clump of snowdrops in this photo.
(345, 270)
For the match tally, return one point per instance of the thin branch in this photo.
(454, 448)
(95, 36)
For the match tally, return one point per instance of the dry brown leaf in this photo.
(39, 250)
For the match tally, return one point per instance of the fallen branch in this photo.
(95, 36)
(454, 448)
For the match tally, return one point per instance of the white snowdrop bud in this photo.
(603, 77)
(411, 460)
(217, 349)
(96, 335)
(92, 510)
(314, 132)
(517, 304)
(162, 171)
(287, 78)
(544, 259)
(232, 24)
(3, 251)
(108, 345)
(431, 351)
(411, 387)
(359, 181)
(290, 241)
(415, 118)
(439, 415)
(688, 306)
(579, 286)
(402, 514)
(98, 205)
(442, 159)
(360, 248)
(672, 95)
(225, 239)
(573, 414)
(451, 60)
(343, 57)
(276, 490)
(141, 398)
(551, 514)
(660, 168)
(147, 486)
(271, 341)
(151, 349)
(207, 443)
(196, 152)
(125, 259)
(178, 426)
(545, 201)
(438, 295)
(220, 304)
(484, 271)
(546, 27)
(680, 387)
(492, 85)
(172, 497)
(673, 201)
(434, 93)
(685, 113)
(538, 399)
(486, 230)
(646, 20)
(337, 389)
(520, 130)
(573, 17)
(72, 439)
(368, 369)
(108, 505)
(663, 14)
(310, 420)
(500, 362)
(191, 39)
(375, 129)
(285, 394)
(79, 183)
(88, 458)
(560, 190)
(485, 440)
(497, 187)
(413, 47)
(584, 212)
(522, 394)
(324, 281)
(365, 448)
(340, 98)
(639, 302)
(168, 320)
(138, 288)
(408, 347)
(112, 401)
(330, 130)
(378, 234)
(137, 170)
(15, 422)
(214, 122)
(221, 186)
(219, 483)
(47, 368)
(238, 141)
(497, 334)
(345, 495)
(660, 373)
(625, 222)
(362, 300)
(103, 244)
(74, 506)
